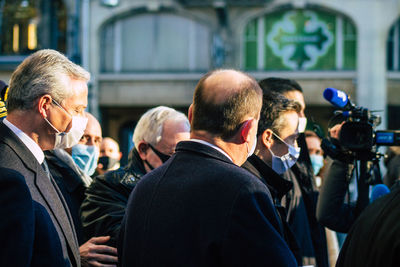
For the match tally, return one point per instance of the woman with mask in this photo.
(316, 155)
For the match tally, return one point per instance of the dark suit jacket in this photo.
(41, 233)
(199, 209)
(278, 187)
(71, 186)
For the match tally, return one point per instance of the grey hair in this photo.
(150, 125)
(44, 72)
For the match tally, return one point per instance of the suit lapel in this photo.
(58, 207)
(47, 189)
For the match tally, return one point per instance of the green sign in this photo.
(300, 38)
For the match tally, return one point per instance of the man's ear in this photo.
(142, 149)
(190, 113)
(245, 130)
(44, 105)
(267, 139)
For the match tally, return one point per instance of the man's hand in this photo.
(94, 253)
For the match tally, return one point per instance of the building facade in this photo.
(143, 53)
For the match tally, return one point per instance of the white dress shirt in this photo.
(30, 144)
(213, 146)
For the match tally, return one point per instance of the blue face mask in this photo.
(317, 162)
(285, 162)
(85, 157)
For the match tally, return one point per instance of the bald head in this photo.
(222, 84)
(223, 99)
(92, 134)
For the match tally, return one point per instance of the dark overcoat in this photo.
(36, 228)
(200, 209)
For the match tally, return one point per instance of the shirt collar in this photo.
(213, 146)
(28, 142)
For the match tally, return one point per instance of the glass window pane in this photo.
(393, 47)
(173, 43)
(29, 25)
(201, 47)
(138, 39)
(250, 45)
(107, 49)
(158, 42)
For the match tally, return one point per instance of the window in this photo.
(300, 40)
(155, 42)
(393, 47)
(29, 25)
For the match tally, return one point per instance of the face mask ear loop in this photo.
(280, 139)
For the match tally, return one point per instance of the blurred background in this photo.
(143, 53)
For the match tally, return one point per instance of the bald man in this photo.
(200, 208)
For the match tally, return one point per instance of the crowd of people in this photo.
(239, 181)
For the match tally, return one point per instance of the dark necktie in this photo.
(46, 168)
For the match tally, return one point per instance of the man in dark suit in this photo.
(276, 148)
(200, 208)
(45, 104)
(301, 201)
(22, 223)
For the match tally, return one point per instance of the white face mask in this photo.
(71, 138)
(253, 148)
(302, 124)
(285, 162)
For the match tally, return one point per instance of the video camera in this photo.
(358, 133)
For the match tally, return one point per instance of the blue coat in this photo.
(199, 209)
(36, 228)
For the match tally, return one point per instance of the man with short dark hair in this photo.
(277, 151)
(200, 208)
(301, 200)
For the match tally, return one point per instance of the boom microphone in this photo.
(338, 98)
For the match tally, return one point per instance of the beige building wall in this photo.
(120, 98)
(369, 85)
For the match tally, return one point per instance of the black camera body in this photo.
(358, 133)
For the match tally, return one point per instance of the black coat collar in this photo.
(199, 148)
(277, 185)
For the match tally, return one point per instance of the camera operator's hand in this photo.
(332, 147)
(334, 132)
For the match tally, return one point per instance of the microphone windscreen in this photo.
(378, 191)
(336, 97)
